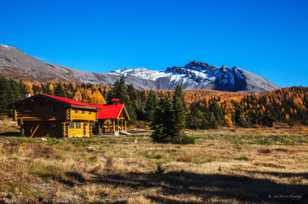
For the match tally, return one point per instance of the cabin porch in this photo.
(110, 126)
(41, 129)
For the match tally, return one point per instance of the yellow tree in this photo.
(77, 94)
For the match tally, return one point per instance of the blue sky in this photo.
(268, 37)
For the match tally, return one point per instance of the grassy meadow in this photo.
(224, 166)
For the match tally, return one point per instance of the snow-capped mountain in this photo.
(197, 75)
(194, 75)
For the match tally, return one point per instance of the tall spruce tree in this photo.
(141, 104)
(215, 108)
(150, 106)
(211, 121)
(120, 90)
(196, 116)
(14, 91)
(4, 87)
(163, 120)
(133, 105)
(169, 120)
(179, 112)
(10, 91)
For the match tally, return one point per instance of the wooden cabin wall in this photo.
(80, 114)
(53, 129)
(83, 129)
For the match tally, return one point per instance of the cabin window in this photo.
(27, 111)
(77, 124)
(71, 125)
(74, 125)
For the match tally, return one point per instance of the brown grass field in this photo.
(224, 166)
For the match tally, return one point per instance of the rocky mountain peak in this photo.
(200, 66)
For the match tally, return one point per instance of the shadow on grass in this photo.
(10, 134)
(282, 174)
(209, 187)
(69, 179)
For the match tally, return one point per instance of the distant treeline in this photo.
(203, 109)
(289, 106)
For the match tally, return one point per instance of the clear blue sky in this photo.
(268, 37)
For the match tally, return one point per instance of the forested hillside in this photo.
(204, 108)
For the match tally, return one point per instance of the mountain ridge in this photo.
(194, 75)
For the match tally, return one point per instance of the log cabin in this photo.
(46, 115)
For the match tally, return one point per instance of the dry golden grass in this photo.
(224, 166)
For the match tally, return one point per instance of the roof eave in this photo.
(84, 107)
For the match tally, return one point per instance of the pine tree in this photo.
(196, 116)
(218, 113)
(13, 91)
(119, 90)
(163, 120)
(306, 101)
(59, 91)
(211, 121)
(132, 104)
(4, 86)
(179, 112)
(70, 90)
(238, 115)
(169, 120)
(10, 92)
(150, 106)
(141, 104)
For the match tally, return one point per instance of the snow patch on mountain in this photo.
(142, 73)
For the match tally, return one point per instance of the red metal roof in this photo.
(69, 101)
(112, 111)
